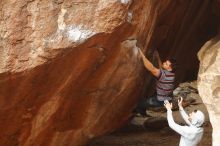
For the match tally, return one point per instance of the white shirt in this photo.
(190, 135)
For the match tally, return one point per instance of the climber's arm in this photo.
(149, 66)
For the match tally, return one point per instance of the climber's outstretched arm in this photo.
(149, 66)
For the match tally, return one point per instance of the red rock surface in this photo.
(69, 69)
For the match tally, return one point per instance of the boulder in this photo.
(209, 83)
(70, 69)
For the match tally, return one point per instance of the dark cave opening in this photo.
(181, 34)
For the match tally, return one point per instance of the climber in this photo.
(191, 135)
(165, 76)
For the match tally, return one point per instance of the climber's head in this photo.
(197, 118)
(170, 64)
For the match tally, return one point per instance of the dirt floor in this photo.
(154, 130)
(133, 135)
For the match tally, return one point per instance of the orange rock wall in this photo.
(69, 69)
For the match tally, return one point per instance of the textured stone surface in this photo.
(209, 83)
(69, 69)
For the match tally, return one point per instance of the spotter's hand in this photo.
(168, 105)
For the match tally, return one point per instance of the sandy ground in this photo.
(154, 131)
(138, 136)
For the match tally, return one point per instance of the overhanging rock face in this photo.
(69, 69)
(209, 83)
